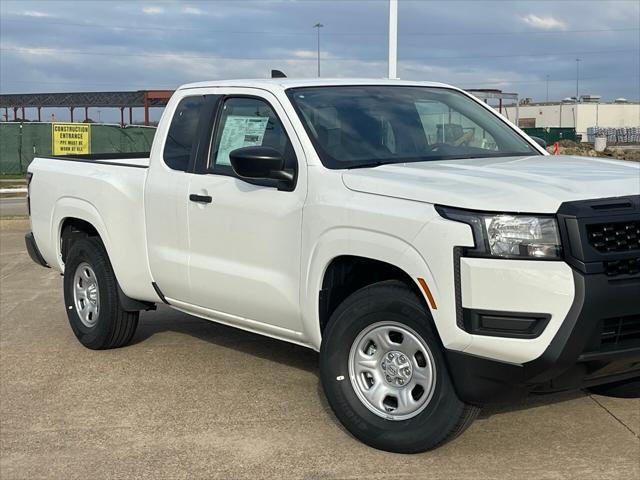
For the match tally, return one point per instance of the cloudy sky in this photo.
(90, 45)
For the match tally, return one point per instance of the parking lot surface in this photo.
(193, 399)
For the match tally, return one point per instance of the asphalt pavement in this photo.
(194, 399)
(10, 207)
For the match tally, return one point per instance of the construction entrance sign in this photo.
(70, 138)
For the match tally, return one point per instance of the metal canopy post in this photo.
(146, 108)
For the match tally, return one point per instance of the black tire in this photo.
(445, 415)
(624, 389)
(114, 326)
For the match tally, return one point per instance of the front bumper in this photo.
(598, 340)
(576, 356)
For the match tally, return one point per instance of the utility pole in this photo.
(318, 26)
(547, 88)
(393, 38)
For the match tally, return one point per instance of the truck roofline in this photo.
(284, 83)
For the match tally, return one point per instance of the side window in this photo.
(247, 122)
(183, 133)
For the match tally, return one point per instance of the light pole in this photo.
(318, 26)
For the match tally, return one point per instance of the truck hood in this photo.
(536, 184)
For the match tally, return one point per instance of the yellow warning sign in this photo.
(70, 138)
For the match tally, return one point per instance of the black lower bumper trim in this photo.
(32, 250)
(504, 324)
(569, 361)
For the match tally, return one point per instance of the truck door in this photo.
(245, 238)
(166, 192)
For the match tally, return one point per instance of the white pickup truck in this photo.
(435, 255)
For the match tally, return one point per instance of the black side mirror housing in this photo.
(260, 163)
(539, 141)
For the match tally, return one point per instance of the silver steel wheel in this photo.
(392, 370)
(86, 296)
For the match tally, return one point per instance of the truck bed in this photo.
(88, 187)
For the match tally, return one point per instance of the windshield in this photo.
(361, 126)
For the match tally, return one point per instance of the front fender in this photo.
(370, 244)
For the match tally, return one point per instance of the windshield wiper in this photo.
(435, 158)
(377, 163)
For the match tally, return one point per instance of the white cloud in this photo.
(544, 23)
(189, 10)
(306, 53)
(153, 10)
(36, 13)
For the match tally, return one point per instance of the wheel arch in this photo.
(73, 215)
(71, 230)
(346, 274)
(379, 256)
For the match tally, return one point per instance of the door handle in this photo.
(200, 198)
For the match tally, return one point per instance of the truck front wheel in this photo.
(91, 298)
(384, 373)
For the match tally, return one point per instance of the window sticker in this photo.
(240, 131)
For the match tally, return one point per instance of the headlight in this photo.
(510, 235)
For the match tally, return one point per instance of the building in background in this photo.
(589, 114)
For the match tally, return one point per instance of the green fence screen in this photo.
(552, 134)
(20, 142)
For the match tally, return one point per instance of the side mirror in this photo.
(260, 163)
(539, 141)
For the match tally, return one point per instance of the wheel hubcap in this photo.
(392, 370)
(396, 368)
(86, 296)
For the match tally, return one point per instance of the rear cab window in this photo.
(183, 131)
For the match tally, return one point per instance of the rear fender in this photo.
(69, 207)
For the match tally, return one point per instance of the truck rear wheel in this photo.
(384, 373)
(91, 298)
